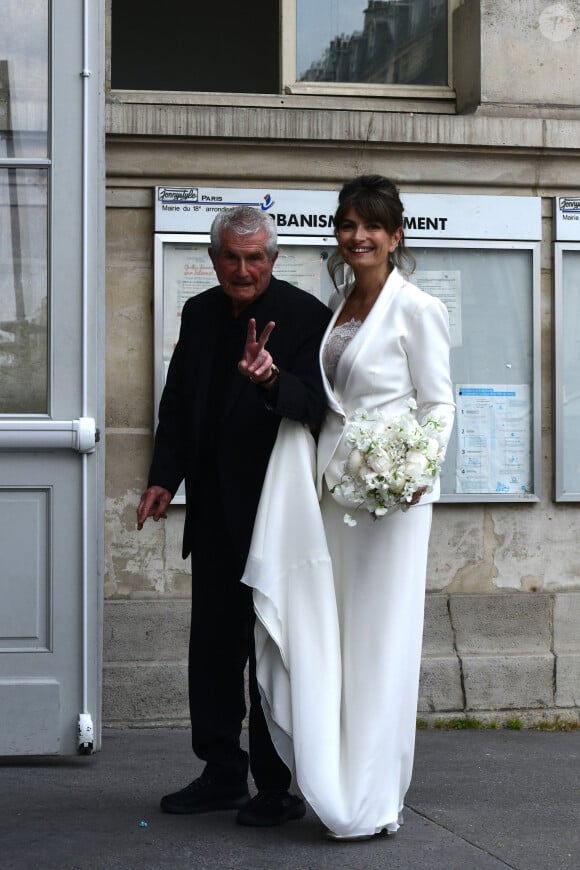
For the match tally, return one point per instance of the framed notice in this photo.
(567, 348)
(567, 370)
(183, 269)
(491, 290)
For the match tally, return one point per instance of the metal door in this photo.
(51, 168)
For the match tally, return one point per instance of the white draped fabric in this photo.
(338, 651)
(340, 610)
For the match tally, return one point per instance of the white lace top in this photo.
(336, 344)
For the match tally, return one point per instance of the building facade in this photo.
(470, 99)
(503, 601)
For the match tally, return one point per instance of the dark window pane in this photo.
(183, 45)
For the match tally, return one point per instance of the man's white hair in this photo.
(244, 220)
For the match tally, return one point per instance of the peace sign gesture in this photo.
(256, 363)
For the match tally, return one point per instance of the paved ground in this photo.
(480, 800)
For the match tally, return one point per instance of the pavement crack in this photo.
(464, 839)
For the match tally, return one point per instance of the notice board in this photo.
(478, 254)
(567, 348)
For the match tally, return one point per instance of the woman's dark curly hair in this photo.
(374, 198)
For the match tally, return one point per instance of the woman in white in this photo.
(340, 610)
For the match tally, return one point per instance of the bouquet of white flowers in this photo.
(389, 460)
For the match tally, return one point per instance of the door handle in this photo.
(80, 435)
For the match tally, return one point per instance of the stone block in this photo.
(145, 694)
(467, 55)
(456, 549)
(543, 53)
(129, 230)
(567, 622)
(129, 327)
(568, 681)
(146, 631)
(133, 560)
(508, 682)
(128, 455)
(437, 631)
(501, 623)
(522, 541)
(440, 685)
(129, 350)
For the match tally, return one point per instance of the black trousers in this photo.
(221, 643)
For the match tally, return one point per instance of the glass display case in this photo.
(479, 254)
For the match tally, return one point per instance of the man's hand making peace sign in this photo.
(256, 363)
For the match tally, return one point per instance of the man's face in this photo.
(243, 267)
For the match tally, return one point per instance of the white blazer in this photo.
(400, 351)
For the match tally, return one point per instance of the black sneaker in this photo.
(269, 808)
(205, 794)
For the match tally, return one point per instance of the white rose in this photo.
(397, 486)
(381, 463)
(379, 428)
(354, 462)
(416, 464)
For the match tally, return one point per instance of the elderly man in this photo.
(218, 418)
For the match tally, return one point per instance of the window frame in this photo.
(339, 95)
(290, 85)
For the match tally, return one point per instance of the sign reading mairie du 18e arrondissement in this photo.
(310, 212)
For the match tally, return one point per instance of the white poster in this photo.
(187, 271)
(445, 284)
(493, 438)
(304, 266)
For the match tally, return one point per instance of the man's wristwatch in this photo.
(274, 372)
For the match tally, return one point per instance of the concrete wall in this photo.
(503, 600)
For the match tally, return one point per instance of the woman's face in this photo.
(364, 244)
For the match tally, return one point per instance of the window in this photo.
(372, 41)
(24, 187)
(180, 45)
(353, 47)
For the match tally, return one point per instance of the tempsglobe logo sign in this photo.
(569, 205)
(177, 194)
(567, 218)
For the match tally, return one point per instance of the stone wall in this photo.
(488, 656)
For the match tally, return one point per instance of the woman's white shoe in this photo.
(355, 837)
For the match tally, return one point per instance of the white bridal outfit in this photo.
(340, 610)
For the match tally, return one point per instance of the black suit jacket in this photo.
(230, 450)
